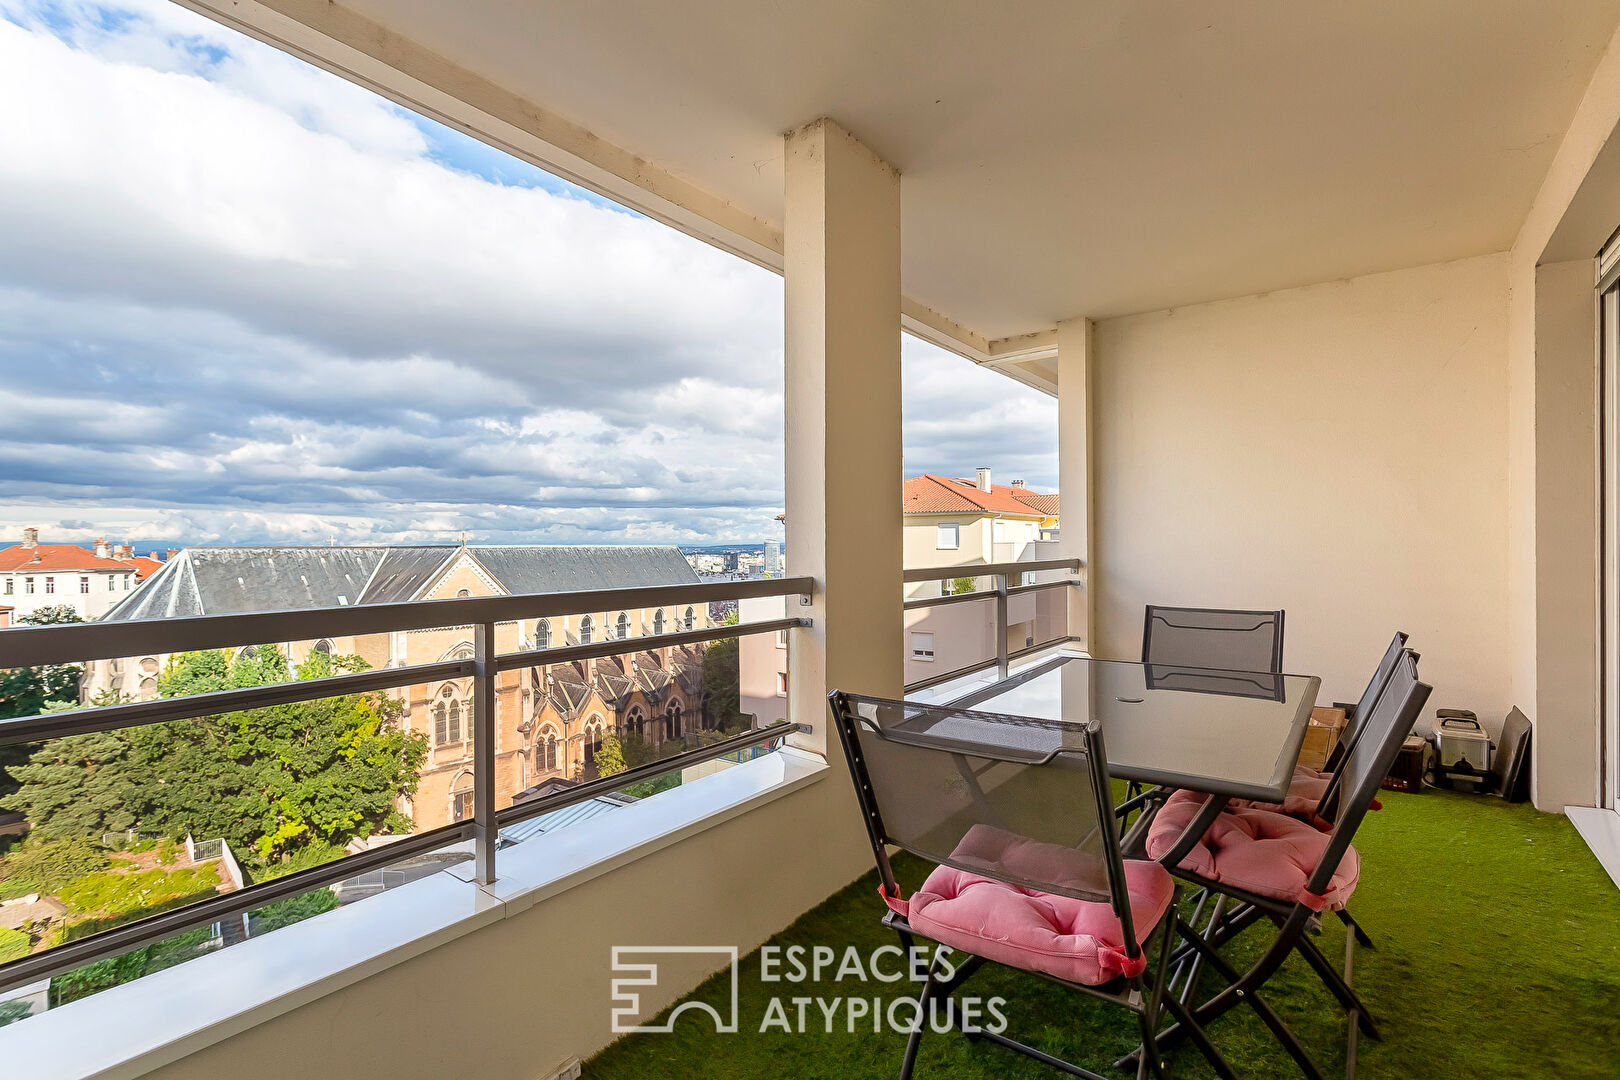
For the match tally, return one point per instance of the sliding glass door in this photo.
(1609, 360)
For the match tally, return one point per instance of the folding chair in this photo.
(1015, 814)
(1289, 872)
(1313, 795)
(1196, 646)
(1217, 638)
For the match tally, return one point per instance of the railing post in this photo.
(485, 828)
(1001, 626)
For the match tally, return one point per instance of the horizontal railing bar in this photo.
(962, 672)
(1014, 590)
(940, 573)
(569, 653)
(653, 769)
(140, 713)
(949, 598)
(982, 594)
(108, 943)
(71, 643)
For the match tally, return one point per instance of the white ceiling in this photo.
(1079, 157)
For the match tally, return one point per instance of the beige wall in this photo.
(514, 1000)
(1552, 435)
(1337, 451)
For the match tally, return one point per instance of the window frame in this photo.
(955, 532)
(925, 656)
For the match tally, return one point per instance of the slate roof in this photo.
(224, 580)
(539, 569)
(930, 494)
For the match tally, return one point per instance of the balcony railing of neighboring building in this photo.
(1009, 581)
(81, 642)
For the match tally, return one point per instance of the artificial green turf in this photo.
(1498, 956)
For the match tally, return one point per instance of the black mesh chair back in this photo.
(1226, 640)
(931, 780)
(1369, 696)
(1368, 760)
(1363, 709)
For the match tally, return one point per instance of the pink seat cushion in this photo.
(1260, 851)
(1305, 793)
(1077, 940)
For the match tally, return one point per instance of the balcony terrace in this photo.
(1328, 299)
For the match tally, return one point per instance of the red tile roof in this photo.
(69, 557)
(929, 494)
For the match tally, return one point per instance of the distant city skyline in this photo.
(243, 300)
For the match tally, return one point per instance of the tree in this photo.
(26, 691)
(610, 756)
(721, 672)
(963, 585)
(270, 780)
(275, 779)
(77, 786)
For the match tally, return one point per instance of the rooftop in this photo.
(214, 581)
(930, 494)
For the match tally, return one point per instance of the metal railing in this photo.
(1001, 592)
(74, 643)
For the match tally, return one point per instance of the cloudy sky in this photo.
(243, 301)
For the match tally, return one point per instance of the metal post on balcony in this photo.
(485, 827)
(1001, 626)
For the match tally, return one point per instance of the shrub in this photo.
(13, 944)
(119, 894)
(293, 909)
(47, 865)
(12, 1011)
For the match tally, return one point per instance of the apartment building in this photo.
(550, 719)
(91, 581)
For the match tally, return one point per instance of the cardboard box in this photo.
(1321, 736)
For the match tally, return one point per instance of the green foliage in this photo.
(720, 686)
(79, 785)
(46, 865)
(26, 691)
(318, 853)
(962, 585)
(292, 910)
(14, 1010)
(103, 974)
(13, 944)
(610, 757)
(113, 893)
(654, 786)
(270, 780)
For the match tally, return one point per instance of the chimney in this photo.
(172, 553)
(102, 550)
(984, 478)
(123, 551)
(1018, 483)
(30, 538)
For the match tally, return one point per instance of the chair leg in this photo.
(1347, 998)
(1349, 921)
(1200, 1038)
(1242, 990)
(924, 1003)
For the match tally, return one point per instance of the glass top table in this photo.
(1236, 734)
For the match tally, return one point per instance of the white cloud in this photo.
(241, 299)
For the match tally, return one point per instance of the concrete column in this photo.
(1566, 707)
(842, 265)
(1076, 350)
